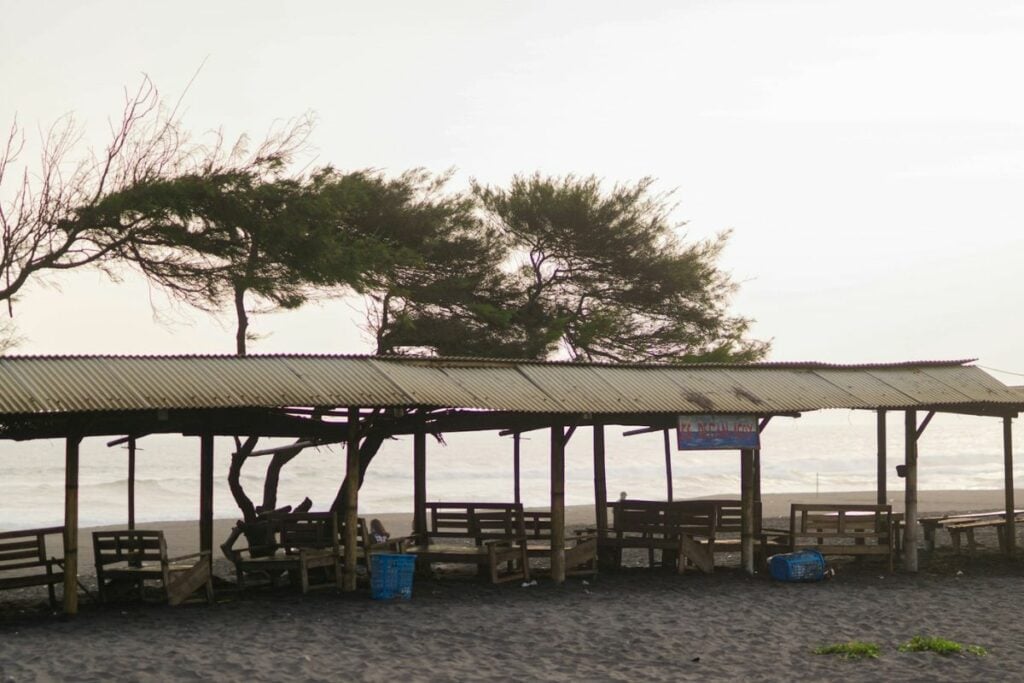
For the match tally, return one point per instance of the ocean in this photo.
(826, 451)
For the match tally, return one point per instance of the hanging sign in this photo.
(716, 432)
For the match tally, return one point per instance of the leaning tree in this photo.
(602, 274)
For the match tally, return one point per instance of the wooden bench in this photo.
(580, 549)
(966, 524)
(488, 535)
(135, 556)
(683, 531)
(24, 561)
(857, 530)
(297, 542)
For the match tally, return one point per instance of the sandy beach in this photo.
(636, 624)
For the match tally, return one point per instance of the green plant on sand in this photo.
(940, 645)
(853, 649)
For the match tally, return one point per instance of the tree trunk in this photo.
(274, 477)
(369, 447)
(238, 459)
(243, 321)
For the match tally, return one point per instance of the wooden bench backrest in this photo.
(318, 530)
(308, 530)
(478, 521)
(831, 523)
(729, 515)
(23, 549)
(537, 524)
(129, 546)
(653, 517)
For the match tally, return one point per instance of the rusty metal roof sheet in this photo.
(62, 384)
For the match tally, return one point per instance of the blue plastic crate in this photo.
(391, 576)
(803, 565)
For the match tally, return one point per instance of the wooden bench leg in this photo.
(701, 556)
(971, 543)
(954, 537)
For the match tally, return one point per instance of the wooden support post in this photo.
(910, 497)
(516, 472)
(557, 504)
(757, 494)
(206, 495)
(1010, 534)
(668, 464)
(351, 500)
(600, 482)
(747, 510)
(880, 481)
(131, 482)
(71, 525)
(419, 465)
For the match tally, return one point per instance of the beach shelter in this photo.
(331, 399)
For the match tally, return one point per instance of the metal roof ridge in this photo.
(509, 362)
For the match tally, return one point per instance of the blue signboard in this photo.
(717, 432)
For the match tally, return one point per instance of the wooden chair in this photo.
(134, 556)
(25, 562)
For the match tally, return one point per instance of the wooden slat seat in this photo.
(841, 529)
(580, 549)
(964, 525)
(136, 556)
(683, 531)
(485, 534)
(24, 561)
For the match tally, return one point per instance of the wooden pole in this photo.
(131, 482)
(747, 510)
(419, 524)
(600, 482)
(883, 494)
(910, 497)
(1011, 515)
(351, 500)
(757, 493)
(668, 464)
(517, 493)
(557, 504)
(206, 495)
(71, 525)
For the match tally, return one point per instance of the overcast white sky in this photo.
(869, 156)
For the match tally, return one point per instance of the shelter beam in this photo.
(131, 482)
(1011, 514)
(747, 509)
(71, 525)
(351, 501)
(910, 496)
(419, 464)
(558, 440)
(881, 440)
(206, 495)
(600, 482)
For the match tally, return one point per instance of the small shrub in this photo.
(941, 646)
(854, 649)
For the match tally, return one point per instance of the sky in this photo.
(868, 157)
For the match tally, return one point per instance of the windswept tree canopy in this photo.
(601, 275)
(443, 286)
(48, 211)
(229, 233)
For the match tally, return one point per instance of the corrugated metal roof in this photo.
(60, 384)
